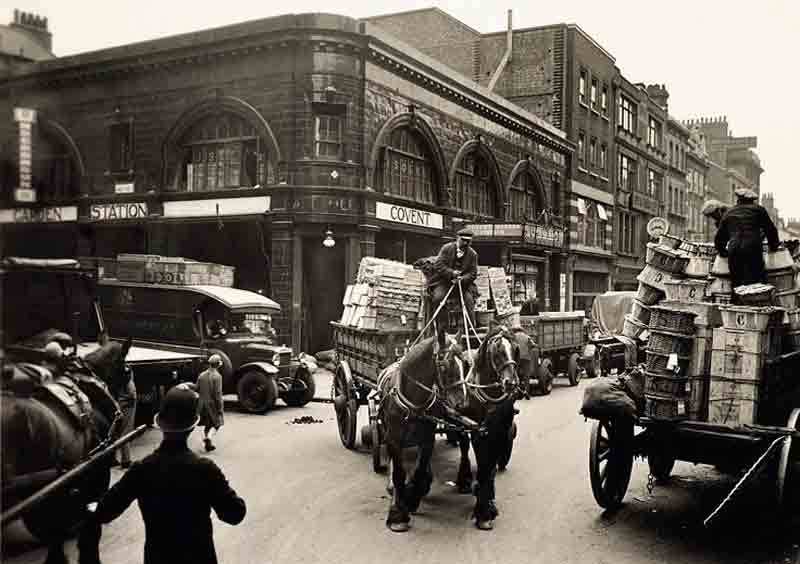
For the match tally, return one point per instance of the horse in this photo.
(61, 416)
(418, 387)
(493, 384)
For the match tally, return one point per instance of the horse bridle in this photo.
(478, 389)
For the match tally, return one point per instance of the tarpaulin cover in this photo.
(615, 397)
(609, 311)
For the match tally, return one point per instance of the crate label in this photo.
(681, 408)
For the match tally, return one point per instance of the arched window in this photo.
(524, 204)
(55, 176)
(224, 151)
(474, 192)
(408, 169)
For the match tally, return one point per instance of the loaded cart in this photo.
(561, 340)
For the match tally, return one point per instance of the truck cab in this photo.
(205, 319)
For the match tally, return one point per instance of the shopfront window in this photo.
(474, 192)
(524, 276)
(523, 204)
(224, 152)
(408, 168)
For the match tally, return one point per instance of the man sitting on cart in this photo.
(455, 262)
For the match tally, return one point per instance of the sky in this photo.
(716, 57)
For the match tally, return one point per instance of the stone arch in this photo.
(526, 166)
(60, 133)
(483, 150)
(417, 123)
(210, 106)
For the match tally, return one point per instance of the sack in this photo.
(633, 383)
(607, 398)
(325, 356)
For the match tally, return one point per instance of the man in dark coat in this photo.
(176, 491)
(456, 261)
(739, 237)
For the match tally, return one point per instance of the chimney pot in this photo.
(16, 16)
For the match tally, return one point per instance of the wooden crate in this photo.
(750, 318)
(700, 364)
(706, 313)
(732, 401)
(698, 398)
(664, 407)
(739, 365)
(767, 342)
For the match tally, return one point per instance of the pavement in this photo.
(311, 500)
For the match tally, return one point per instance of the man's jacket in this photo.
(445, 265)
(176, 491)
(746, 224)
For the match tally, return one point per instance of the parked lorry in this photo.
(207, 319)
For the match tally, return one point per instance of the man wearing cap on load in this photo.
(739, 238)
(176, 490)
(456, 261)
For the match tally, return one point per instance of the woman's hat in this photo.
(215, 360)
(178, 412)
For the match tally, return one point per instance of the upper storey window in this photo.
(408, 169)
(474, 192)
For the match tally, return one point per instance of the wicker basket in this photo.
(698, 267)
(665, 259)
(789, 299)
(649, 295)
(779, 260)
(640, 312)
(689, 247)
(782, 279)
(755, 294)
(720, 267)
(653, 276)
(632, 328)
(660, 407)
(793, 340)
(666, 342)
(719, 285)
(670, 241)
(706, 250)
(794, 319)
(721, 298)
(661, 385)
(673, 320)
(657, 364)
(686, 290)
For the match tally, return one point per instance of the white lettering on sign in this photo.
(24, 115)
(118, 210)
(250, 205)
(408, 216)
(39, 215)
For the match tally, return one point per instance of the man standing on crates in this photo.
(456, 262)
(739, 238)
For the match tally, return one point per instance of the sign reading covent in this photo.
(408, 216)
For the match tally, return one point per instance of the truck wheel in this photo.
(307, 388)
(573, 369)
(546, 377)
(257, 392)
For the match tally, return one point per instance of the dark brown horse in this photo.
(53, 424)
(493, 384)
(419, 387)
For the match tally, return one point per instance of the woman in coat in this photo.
(209, 388)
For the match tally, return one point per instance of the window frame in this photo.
(604, 100)
(582, 87)
(123, 163)
(424, 191)
(336, 142)
(627, 114)
(593, 151)
(593, 93)
(582, 146)
(462, 174)
(603, 164)
(654, 132)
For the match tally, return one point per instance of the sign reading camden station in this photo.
(118, 210)
(408, 216)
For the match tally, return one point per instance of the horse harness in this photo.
(478, 389)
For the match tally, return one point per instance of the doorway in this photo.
(323, 290)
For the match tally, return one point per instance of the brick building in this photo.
(244, 144)
(642, 167)
(699, 227)
(26, 39)
(564, 76)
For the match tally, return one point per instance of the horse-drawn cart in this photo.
(361, 356)
(772, 444)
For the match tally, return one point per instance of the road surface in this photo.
(310, 500)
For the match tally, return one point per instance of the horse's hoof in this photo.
(399, 527)
(485, 525)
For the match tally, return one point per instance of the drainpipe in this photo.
(506, 56)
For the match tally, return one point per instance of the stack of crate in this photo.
(387, 295)
(749, 337)
(484, 292)
(669, 353)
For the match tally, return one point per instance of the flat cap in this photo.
(745, 194)
(465, 233)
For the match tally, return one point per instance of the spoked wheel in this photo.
(610, 460)
(661, 465)
(786, 481)
(573, 369)
(345, 404)
(546, 376)
(376, 436)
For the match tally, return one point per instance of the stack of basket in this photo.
(665, 262)
(749, 337)
(669, 353)
(387, 295)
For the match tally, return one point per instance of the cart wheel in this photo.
(376, 438)
(546, 377)
(610, 461)
(591, 366)
(505, 453)
(345, 404)
(660, 465)
(784, 462)
(573, 369)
